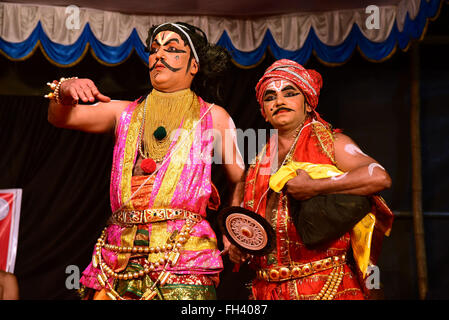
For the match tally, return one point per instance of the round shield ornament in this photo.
(247, 230)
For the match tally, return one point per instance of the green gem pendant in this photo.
(160, 133)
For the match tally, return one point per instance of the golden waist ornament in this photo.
(291, 272)
(171, 253)
(296, 271)
(153, 215)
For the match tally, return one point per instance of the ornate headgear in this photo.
(307, 80)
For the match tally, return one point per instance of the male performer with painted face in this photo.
(318, 166)
(158, 244)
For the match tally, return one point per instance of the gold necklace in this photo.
(163, 113)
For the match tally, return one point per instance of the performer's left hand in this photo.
(226, 245)
(301, 186)
(235, 255)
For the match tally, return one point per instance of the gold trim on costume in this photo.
(361, 236)
(177, 161)
(153, 215)
(297, 271)
(200, 243)
(128, 159)
(127, 240)
(159, 236)
(325, 139)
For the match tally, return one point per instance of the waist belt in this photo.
(283, 273)
(154, 215)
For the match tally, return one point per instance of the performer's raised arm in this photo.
(64, 110)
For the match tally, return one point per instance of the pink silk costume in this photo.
(186, 180)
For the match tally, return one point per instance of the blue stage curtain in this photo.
(67, 55)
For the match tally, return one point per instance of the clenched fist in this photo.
(301, 186)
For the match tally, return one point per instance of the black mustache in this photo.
(169, 67)
(280, 109)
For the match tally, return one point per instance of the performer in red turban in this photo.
(315, 187)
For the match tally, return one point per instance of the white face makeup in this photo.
(372, 166)
(352, 149)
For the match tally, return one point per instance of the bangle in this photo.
(55, 86)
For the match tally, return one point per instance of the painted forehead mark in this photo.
(277, 86)
(352, 149)
(372, 166)
(163, 36)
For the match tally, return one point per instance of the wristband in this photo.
(55, 86)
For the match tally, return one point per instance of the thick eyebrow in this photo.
(289, 87)
(167, 42)
(171, 40)
(267, 92)
(286, 88)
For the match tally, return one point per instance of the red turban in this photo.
(307, 80)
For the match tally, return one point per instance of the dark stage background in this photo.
(65, 174)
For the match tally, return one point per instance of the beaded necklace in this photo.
(163, 113)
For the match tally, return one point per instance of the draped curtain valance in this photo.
(64, 36)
